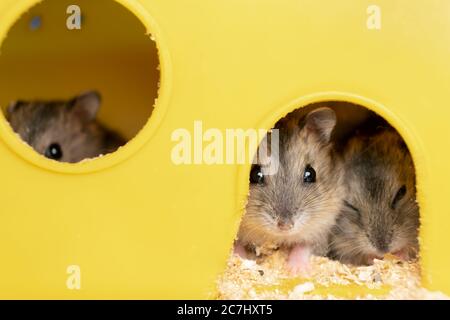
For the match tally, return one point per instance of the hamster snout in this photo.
(380, 214)
(297, 205)
(65, 131)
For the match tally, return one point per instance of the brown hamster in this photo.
(380, 214)
(296, 206)
(65, 131)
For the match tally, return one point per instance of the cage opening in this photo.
(106, 72)
(288, 247)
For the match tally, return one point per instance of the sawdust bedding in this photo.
(267, 278)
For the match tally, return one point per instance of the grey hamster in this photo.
(380, 214)
(65, 131)
(296, 206)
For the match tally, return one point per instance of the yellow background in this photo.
(140, 226)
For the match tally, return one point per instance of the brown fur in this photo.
(377, 165)
(312, 208)
(71, 124)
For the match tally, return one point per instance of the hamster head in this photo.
(380, 214)
(298, 203)
(60, 130)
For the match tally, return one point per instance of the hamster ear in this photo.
(322, 122)
(86, 105)
(13, 106)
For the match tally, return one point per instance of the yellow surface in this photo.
(140, 226)
(352, 291)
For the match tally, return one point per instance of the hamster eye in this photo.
(256, 175)
(54, 151)
(398, 196)
(309, 176)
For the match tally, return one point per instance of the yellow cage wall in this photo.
(136, 224)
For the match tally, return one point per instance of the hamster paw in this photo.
(239, 250)
(298, 260)
(403, 254)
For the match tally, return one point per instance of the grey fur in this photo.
(371, 223)
(310, 208)
(71, 124)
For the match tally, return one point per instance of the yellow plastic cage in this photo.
(136, 224)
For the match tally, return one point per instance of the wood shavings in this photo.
(267, 278)
(303, 288)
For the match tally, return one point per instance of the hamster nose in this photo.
(381, 241)
(382, 246)
(285, 225)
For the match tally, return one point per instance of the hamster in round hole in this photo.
(65, 131)
(296, 206)
(380, 214)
